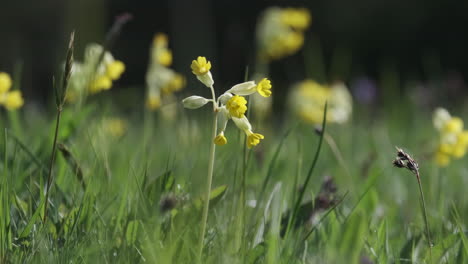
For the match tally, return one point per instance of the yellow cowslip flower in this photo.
(115, 69)
(253, 139)
(100, 83)
(264, 87)
(237, 106)
(442, 159)
(5, 82)
(153, 102)
(220, 139)
(462, 137)
(13, 100)
(454, 125)
(200, 66)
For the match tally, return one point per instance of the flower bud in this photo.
(242, 123)
(194, 102)
(246, 88)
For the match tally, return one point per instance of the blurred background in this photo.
(418, 43)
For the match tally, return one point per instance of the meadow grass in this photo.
(138, 197)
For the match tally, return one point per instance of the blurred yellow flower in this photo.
(102, 82)
(153, 102)
(453, 140)
(115, 69)
(296, 18)
(280, 31)
(13, 100)
(115, 127)
(5, 82)
(161, 81)
(94, 74)
(307, 99)
(165, 58)
(237, 106)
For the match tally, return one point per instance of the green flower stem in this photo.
(52, 160)
(426, 223)
(209, 179)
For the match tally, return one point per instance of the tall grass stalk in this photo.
(60, 94)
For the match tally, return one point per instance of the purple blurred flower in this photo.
(364, 90)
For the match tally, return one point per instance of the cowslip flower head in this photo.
(201, 68)
(5, 82)
(237, 106)
(231, 105)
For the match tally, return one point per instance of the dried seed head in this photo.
(399, 163)
(401, 154)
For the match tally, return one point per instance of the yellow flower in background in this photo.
(280, 31)
(298, 18)
(165, 58)
(237, 106)
(153, 102)
(307, 100)
(115, 69)
(115, 127)
(453, 140)
(13, 100)
(161, 81)
(5, 82)
(93, 75)
(100, 83)
(454, 125)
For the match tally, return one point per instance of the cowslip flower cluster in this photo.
(307, 100)
(161, 81)
(453, 140)
(11, 100)
(89, 77)
(231, 105)
(280, 31)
